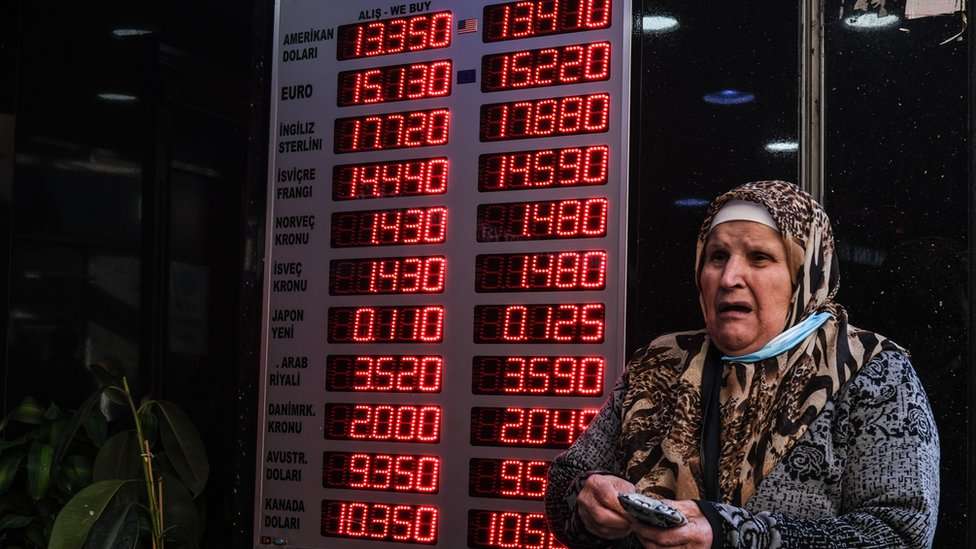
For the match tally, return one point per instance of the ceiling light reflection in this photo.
(118, 97)
(729, 97)
(130, 33)
(871, 21)
(659, 23)
(782, 146)
(691, 202)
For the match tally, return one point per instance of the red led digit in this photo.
(529, 427)
(399, 35)
(527, 18)
(381, 473)
(535, 478)
(380, 521)
(592, 323)
(396, 324)
(384, 373)
(536, 427)
(428, 474)
(382, 422)
(359, 471)
(404, 527)
(547, 220)
(511, 477)
(387, 275)
(569, 167)
(572, 64)
(571, 68)
(394, 83)
(538, 375)
(509, 529)
(564, 326)
(392, 131)
(510, 431)
(426, 225)
(575, 114)
(360, 424)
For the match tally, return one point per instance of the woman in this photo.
(779, 425)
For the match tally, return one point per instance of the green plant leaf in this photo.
(116, 395)
(8, 444)
(96, 427)
(28, 411)
(117, 529)
(39, 462)
(9, 464)
(81, 512)
(79, 418)
(76, 472)
(35, 533)
(14, 521)
(184, 447)
(57, 431)
(150, 424)
(106, 375)
(180, 515)
(53, 412)
(16, 502)
(119, 458)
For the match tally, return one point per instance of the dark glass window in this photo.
(715, 92)
(897, 192)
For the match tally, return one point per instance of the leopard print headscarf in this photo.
(765, 406)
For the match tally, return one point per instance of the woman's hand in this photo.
(696, 534)
(599, 509)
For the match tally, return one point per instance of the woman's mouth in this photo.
(734, 309)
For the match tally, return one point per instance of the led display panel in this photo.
(544, 220)
(573, 64)
(534, 118)
(396, 35)
(545, 168)
(388, 179)
(528, 18)
(538, 375)
(541, 271)
(395, 83)
(508, 478)
(384, 472)
(411, 275)
(445, 278)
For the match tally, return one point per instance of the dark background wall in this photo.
(897, 182)
(125, 190)
(897, 178)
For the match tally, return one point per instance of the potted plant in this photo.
(138, 490)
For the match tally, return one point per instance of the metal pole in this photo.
(812, 98)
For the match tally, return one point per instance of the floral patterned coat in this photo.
(865, 474)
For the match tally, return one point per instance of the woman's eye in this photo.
(718, 256)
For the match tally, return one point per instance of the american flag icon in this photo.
(467, 25)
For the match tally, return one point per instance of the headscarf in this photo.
(766, 406)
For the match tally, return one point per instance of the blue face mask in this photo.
(784, 341)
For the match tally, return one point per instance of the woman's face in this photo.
(745, 286)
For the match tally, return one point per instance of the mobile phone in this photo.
(651, 511)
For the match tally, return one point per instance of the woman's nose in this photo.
(732, 274)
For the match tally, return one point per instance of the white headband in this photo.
(743, 210)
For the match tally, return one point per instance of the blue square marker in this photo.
(467, 76)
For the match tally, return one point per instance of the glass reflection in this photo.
(659, 23)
